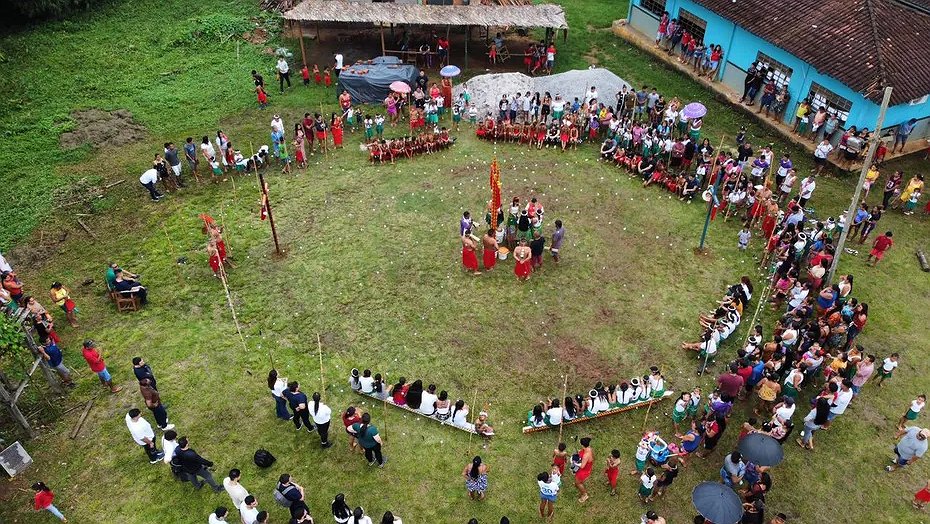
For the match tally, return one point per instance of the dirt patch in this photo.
(258, 36)
(102, 129)
(585, 363)
(591, 56)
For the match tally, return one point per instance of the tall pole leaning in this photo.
(854, 203)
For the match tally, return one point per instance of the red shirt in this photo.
(43, 500)
(730, 384)
(745, 372)
(305, 73)
(348, 421)
(93, 360)
(883, 242)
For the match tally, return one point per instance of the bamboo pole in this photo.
(473, 417)
(174, 255)
(231, 307)
(267, 202)
(564, 395)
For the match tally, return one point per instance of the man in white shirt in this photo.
(821, 152)
(337, 67)
(148, 180)
(807, 189)
(248, 510)
(843, 397)
(236, 491)
(284, 72)
(428, 401)
(277, 134)
(785, 410)
(366, 383)
(554, 413)
(218, 516)
(143, 435)
(169, 443)
(591, 96)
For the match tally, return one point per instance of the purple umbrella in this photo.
(694, 110)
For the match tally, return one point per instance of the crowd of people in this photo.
(424, 143)
(428, 400)
(520, 232)
(674, 37)
(599, 399)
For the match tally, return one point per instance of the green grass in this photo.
(372, 267)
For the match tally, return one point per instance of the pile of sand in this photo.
(102, 129)
(486, 90)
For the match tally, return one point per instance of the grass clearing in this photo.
(372, 266)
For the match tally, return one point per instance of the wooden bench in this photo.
(609, 412)
(449, 423)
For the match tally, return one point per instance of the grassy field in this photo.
(372, 268)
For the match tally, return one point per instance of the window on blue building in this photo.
(821, 96)
(692, 23)
(780, 72)
(656, 7)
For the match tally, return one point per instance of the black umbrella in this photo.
(761, 450)
(717, 503)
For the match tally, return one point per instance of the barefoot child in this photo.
(642, 453)
(882, 244)
(613, 470)
(560, 457)
(914, 411)
(327, 79)
(305, 74)
(549, 485)
(888, 367)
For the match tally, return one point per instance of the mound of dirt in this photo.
(102, 129)
(258, 36)
(486, 90)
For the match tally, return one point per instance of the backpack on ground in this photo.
(264, 458)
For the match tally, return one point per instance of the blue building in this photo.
(838, 53)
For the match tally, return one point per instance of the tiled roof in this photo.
(865, 44)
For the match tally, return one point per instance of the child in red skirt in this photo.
(613, 470)
(327, 79)
(262, 97)
(317, 79)
(305, 74)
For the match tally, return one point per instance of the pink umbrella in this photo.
(400, 87)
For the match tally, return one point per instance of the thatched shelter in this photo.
(548, 16)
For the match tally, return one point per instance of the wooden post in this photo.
(15, 411)
(318, 39)
(381, 27)
(303, 51)
(319, 345)
(467, 36)
(174, 256)
(564, 394)
(473, 417)
(231, 307)
(264, 190)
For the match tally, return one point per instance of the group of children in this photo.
(422, 143)
(262, 95)
(534, 134)
(601, 398)
(422, 399)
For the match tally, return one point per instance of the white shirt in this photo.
(460, 418)
(555, 416)
(364, 520)
(282, 66)
(428, 403)
(785, 413)
(249, 515)
(647, 481)
(208, 150)
(338, 60)
(807, 187)
(236, 491)
(642, 452)
(367, 384)
(277, 125)
(592, 95)
(4, 265)
(916, 406)
(550, 488)
(149, 177)
(889, 365)
(279, 386)
(215, 520)
(322, 414)
(168, 446)
(843, 398)
(140, 429)
(823, 150)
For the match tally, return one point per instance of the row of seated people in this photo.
(652, 170)
(718, 325)
(599, 399)
(406, 147)
(425, 401)
(533, 134)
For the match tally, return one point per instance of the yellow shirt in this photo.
(872, 175)
(59, 295)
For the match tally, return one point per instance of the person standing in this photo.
(142, 371)
(143, 435)
(190, 154)
(922, 497)
(476, 478)
(901, 133)
(153, 402)
(248, 510)
(337, 64)
(195, 466)
(368, 437)
(469, 258)
(807, 189)
(917, 405)
(234, 489)
(169, 444)
(97, 365)
(557, 237)
(881, 244)
(43, 500)
(840, 402)
(321, 416)
(278, 385)
(51, 353)
(549, 485)
(489, 255)
(148, 180)
(585, 466)
(218, 516)
(174, 160)
(522, 253)
(733, 469)
(910, 448)
(62, 298)
(537, 247)
(298, 402)
(290, 494)
(284, 72)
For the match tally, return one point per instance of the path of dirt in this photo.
(102, 129)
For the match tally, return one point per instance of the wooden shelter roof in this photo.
(542, 15)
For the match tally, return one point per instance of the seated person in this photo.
(129, 287)
(482, 426)
(111, 275)
(554, 414)
(707, 346)
(608, 148)
(366, 384)
(536, 418)
(624, 394)
(428, 401)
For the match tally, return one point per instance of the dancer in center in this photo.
(469, 258)
(585, 466)
(490, 249)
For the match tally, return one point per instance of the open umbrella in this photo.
(450, 71)
(761, 449)
(717, 503)
(694, 110)
(399, 86)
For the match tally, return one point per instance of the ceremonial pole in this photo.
(716, 186)
(266, 201)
